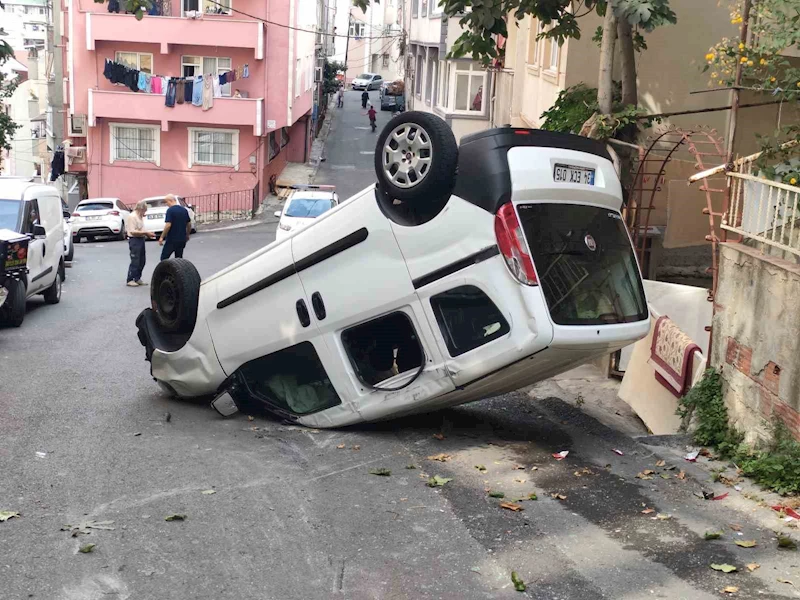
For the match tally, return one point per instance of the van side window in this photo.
(31, 216)
(468, 319)
(292, 379)
(383, 348)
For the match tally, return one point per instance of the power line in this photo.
(284, 26)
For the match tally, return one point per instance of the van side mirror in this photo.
(39, 232)
(66, 214)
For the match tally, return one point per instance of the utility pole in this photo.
(347, 45)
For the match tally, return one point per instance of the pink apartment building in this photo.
(136, 146)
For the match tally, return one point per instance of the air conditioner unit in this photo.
(77, 125)
(317, 74)
(74, 155)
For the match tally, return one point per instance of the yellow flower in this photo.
(798, 84)
(710, 56)
(793, 181)
(741, 46)
(736, 20)
(713, 75)
(743, 59)
(762, 62)
(749, 63)
(772, 80)
(720, 82)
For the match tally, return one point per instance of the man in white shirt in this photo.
(134, 225)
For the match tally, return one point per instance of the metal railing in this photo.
(225, 206)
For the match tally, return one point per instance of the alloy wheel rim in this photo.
(407, 155)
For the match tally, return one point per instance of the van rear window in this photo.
(585, 263)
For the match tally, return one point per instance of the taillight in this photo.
(512, 245)
(114, 212)
(76, 214)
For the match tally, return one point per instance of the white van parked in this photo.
(34, 210)
(426, 290)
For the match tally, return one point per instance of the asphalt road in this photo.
(295, 514)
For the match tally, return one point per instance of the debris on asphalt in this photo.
(475, 569)
(511, 506)
(437, 481)
(533, 496)
(735, 526)
(681, 475)
(340, 447)
(782, 580)
(439, 436)
(250, 418)
(86, 548)
(411, 466)
(620, 452)
(725, 568)
(786, 543)
(582, 472)
(440, 457)
(561, 455)
(520, 467)
(355, 447)
(208, 492)
(496, 494)
(175, 517)
(661, 463)
(137, 434)
(790, 513)
(5, 515)
(168, 417)
(646, 474)
(382, 472)
(692, 456)
(746, 543)
(731, 589)
(41, 454)
(85, 527)
(752, 566)
(647, 511)
(665, 476)
(662, 517)
(519, 585)
(534, 468)
(481, 468)
(713, 535)
(721, 496)
(558, 496)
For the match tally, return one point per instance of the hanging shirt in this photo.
(156, 85)
(246, 71)
(215, 85)
(208, 92)
(171, 91)
(131, 79)
(231, 75)
(179, 90)
(197, 91)
(142, 81)
(148, 83)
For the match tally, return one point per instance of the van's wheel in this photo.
(12, 313)
(174, 293)
(416, 159)
(52, 295)
(71, 254)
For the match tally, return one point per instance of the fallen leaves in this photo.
(561, 455)
(647, 511)
(208, 492)
(440, 457)
(411, 467)
(87, 548)
(5, 515)
(340, 447)
(355, 447)
(481, 468)
(439, 436)
(620, 452)
(730, 589)
(735, 527)
(582, 472)
(437, 481)
(175, 517)
(511, 506)
(724, 567)
(753, 566)
(382, 472)
(646, 474)
(661, 463)
(681, 475)
(520, 480)
(662, 517)
(496, 494)
(746, 543)
(520, 467)
(782, 580)
(786, 543)
(558, 496)
(532, 496)
(713, 535)
(519, 585)
(692, 456)
(86, 526)
(720, 496)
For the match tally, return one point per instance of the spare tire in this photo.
(416, 159)
(174, 294)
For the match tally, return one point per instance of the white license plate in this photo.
(93, 218)
(155, 216)
(570, 174)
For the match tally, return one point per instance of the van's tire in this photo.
(416, 159)
(71, 254)
(12, 313)
(174, 294)
(52, 295)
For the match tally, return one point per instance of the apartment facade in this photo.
(133, 144)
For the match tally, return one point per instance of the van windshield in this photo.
(585, 263)
(308, 208)
(9, 214)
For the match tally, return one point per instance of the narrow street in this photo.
(86, 437)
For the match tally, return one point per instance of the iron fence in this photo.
(225, 206)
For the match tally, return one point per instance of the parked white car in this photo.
(157, 211)
(367, 81)
(69, 245)
(424, 291)
(99, 217)
(304, 204)
(32, 210)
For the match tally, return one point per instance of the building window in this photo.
(274, 146)
(219, 7)
(418, 74)
(357, 29)
(141, 61)
(533, 42)
(554, 51)
(445, 69)
(415, 8)
(218, 147)
(385, 61)
(423, 8)
(430, 75)
(470, 79)
(284, 136)
(192, 66)
(138, 143)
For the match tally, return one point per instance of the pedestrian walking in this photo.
(364, 98)
(340, 98)
(177, 228)
(134, 224)
(372, 116)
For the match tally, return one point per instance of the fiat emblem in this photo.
(590, 243)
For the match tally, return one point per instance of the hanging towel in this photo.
(208, 92)
(148, 84)
(197, 91)
(172, 87)
(164, 82)
(108, 70)
(142, 81)
(246, 71)
(215, 85)
(179, 91)
(156, 85)
(671, 355)
(231, 75)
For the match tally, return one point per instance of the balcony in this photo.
(210, 30)
(134, 106)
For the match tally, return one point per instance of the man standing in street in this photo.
(134, 224)
(177, 228)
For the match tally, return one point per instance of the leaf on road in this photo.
(582, 472)
(644, 475)
(250, 418)
(475, 569)
(5, 515)
(519, 585)
(439, 436)
(753, 566)
(721, 496)
(665, 476)
(520, 480)
(782, 580)
(85, 527)
(520, 467)
(620, 452)
(647, 511)
(481, 468)
(735, 527)
(786, 543)
(561, 455)
(746, 543)
(382, 472)
(730, 589)
(532, 496)
(725, 568)
(86, 548)
(340, 447)
(440, 457)
(437, 481)
(661, 463)
(356, 447)
(511, 506)
(411, 466)
(534, 468)
(208, 492)
(496, 495)
(175, 517)
(713, 535)
(663, 517)
(681, 475)
(558, 496)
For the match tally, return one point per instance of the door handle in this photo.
(319, 305)
(302, 313)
